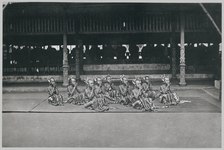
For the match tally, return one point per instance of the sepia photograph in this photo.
(111, 75)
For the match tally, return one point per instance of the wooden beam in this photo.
(5, 5)
(210, 18)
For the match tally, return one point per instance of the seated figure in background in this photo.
(89, 92)
(139, 99)
(110, 90)
(167, 96)
(54, 98)
(124, 95)
(94, 96)
(147, 88)
(99, 90)
(74, 95)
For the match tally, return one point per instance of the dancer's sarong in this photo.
(55, 100)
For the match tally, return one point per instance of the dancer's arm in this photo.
(122, 90)
(50, 91)
(162, 89)
(69, 89)
(89, 94)
(56, 90)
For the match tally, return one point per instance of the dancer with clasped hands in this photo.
(139, 99)
(54, 98)
(167, 96)
(75, 96)
(94, 98)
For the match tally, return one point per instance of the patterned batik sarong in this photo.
(110, 93)
(54, 98)
(75, 97)
(140, 101)
(148, 91)
(124, 95)
(147, 104)
(167, 96)
(97, 101)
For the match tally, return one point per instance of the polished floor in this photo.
(29, 121)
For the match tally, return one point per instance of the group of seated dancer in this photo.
(99, 93)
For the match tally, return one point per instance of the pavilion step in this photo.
(126, 72)
(59, 78)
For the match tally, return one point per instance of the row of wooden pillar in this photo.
(174, 69)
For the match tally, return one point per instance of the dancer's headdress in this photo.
(165, 78)
(97, 79)
(122, 77)
(51, 79)
(136, 79)
(107, 76)
(146, 77)
(70, 79)
(87, 80)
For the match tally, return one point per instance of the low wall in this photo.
(130, 67)
(197, 76)
(59, 78)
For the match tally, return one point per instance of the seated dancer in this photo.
(167, 96)
(74, 95)
(110, 90)
(147, 88)
(94, 97)
(54, 98)
(139, 99)
(124, 95)
(99, 89)
(89, 91)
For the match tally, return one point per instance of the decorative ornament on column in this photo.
(77, 59)
(65, 51)
(77, 63)
(173, 46)
(173, 57)
(65, 61)
(182, 55)
(182, 51)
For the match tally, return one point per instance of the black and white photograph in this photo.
(111, 74)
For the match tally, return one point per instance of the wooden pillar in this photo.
(65, 60)
(173, 57)
(220, 71)
(65, 65)
(182, 51)
(174, 66)
(173, 46)
(77, 60)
